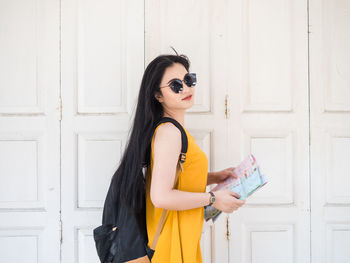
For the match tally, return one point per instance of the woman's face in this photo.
(171, 100)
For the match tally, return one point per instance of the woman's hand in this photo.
(219, 177)
(227, 201)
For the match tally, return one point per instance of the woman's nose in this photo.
(185, 87)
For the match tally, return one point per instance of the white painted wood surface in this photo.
(102, 67)
(269, 117)
(29, 132)
(287, 103)
(330, 130)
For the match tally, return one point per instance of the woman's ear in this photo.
(158, 96)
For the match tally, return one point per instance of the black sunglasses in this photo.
(176, 85)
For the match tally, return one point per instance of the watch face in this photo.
(212, 199)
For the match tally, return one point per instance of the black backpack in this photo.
(123, 234)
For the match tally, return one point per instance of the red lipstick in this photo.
(188, 98)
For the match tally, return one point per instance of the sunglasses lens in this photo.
(176, 85)
(190, 79)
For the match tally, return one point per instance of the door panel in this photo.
(29, 132)
(330, 130)
(268, 102)
(102, 54)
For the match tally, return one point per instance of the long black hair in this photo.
(128, 180)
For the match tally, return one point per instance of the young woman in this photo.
(168, 90)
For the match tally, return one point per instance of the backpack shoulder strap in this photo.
(182, 159)
(179, 126)
(184, 141)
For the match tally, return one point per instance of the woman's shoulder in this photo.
(167, 129)
(167, 134)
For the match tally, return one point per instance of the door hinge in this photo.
(228, 228)
(227, 110)
(59, 109)
(61, 233)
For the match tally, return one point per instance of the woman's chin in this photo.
(189, 106)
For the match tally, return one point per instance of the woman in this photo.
(181, 234)
(164, 88)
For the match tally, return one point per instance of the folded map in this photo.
(250, 178)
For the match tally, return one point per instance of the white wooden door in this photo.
(102, 55)
(330, 130)
(29, 132)
(268, 105)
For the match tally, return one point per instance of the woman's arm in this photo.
(181, 200)
(211, 178)
(166, 149)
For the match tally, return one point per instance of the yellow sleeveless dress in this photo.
(181, 234)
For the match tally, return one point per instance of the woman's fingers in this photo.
(240, 202)
(234, 175)
(234, 194)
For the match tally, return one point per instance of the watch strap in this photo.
(212, 195)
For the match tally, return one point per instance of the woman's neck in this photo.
(178, 117)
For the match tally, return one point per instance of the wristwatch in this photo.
(212, 198)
